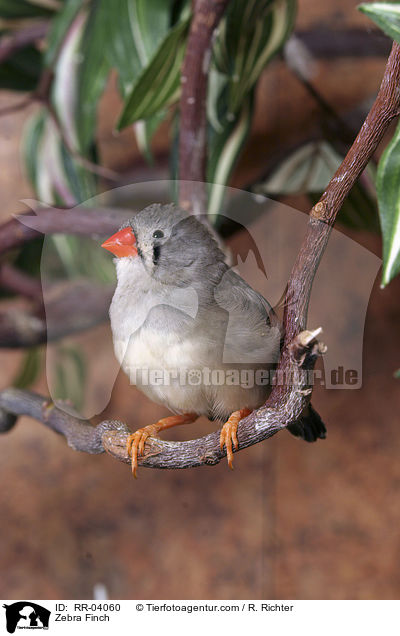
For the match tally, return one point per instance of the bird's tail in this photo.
(309, 426)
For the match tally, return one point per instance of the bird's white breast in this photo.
(142, 350)
(173, 341)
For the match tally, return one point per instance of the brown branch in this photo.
(13, 42)
(70, 308)
(10, 109)
(193, 121)
(289, 399)
(18, 282)
(341, 128)
(323, 214)
(73, 307)
(330, 43)
(101, 171)
(80, 221)
(80, 434)
(9, 44)
(111, 435)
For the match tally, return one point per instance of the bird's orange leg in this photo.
(136, 441)
(228, 434)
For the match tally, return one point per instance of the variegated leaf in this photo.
(225, 149)
(16, 9)
(159, 83)
(29, 369)
(251, 34)
(58, 30)
(68, 377)
(386, 15)
(93, 68)
(309, 169)
(388, 188)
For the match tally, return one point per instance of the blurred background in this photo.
(293, 520)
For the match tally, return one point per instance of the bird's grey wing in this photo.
(253, 333)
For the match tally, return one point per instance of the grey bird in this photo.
(189, 331)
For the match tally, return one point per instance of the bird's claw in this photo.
(228, 435)
(136, 442)
(228, 438)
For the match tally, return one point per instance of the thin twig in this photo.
(10, 43)
(70, 308)
(42, 95)
(331, 43)
(80, 221)
(79, 433)
(193, 122)
(15, 108)
(19, 282)
(94, 168)
(344, 130)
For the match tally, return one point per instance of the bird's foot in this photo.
(228, 435)
(136, 441)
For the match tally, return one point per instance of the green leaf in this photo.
(149, 20)
(64, 93)
(15, 9)
(121, 47)
(92, 73)
(56, 176)
(82, 182)
(51, 183)
(251, 34)
(59, 28)
(307, 169)
(217, 83)
(75, 257)
(386, 15)
(70, 376)
(144, 131)
(76, 133)
(396, 374)
(56, 173)
(159, 83)
(135, 30)
(33, 134)
(21, 72)
(225, 148)
(388, 188)
(248, 37)
(29, 369)
(360, 208)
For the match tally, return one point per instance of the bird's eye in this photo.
(158, 234)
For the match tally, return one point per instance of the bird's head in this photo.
(172, 246)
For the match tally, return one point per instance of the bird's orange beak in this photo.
(123, 243)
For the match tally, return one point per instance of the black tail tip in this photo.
(309, 427)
